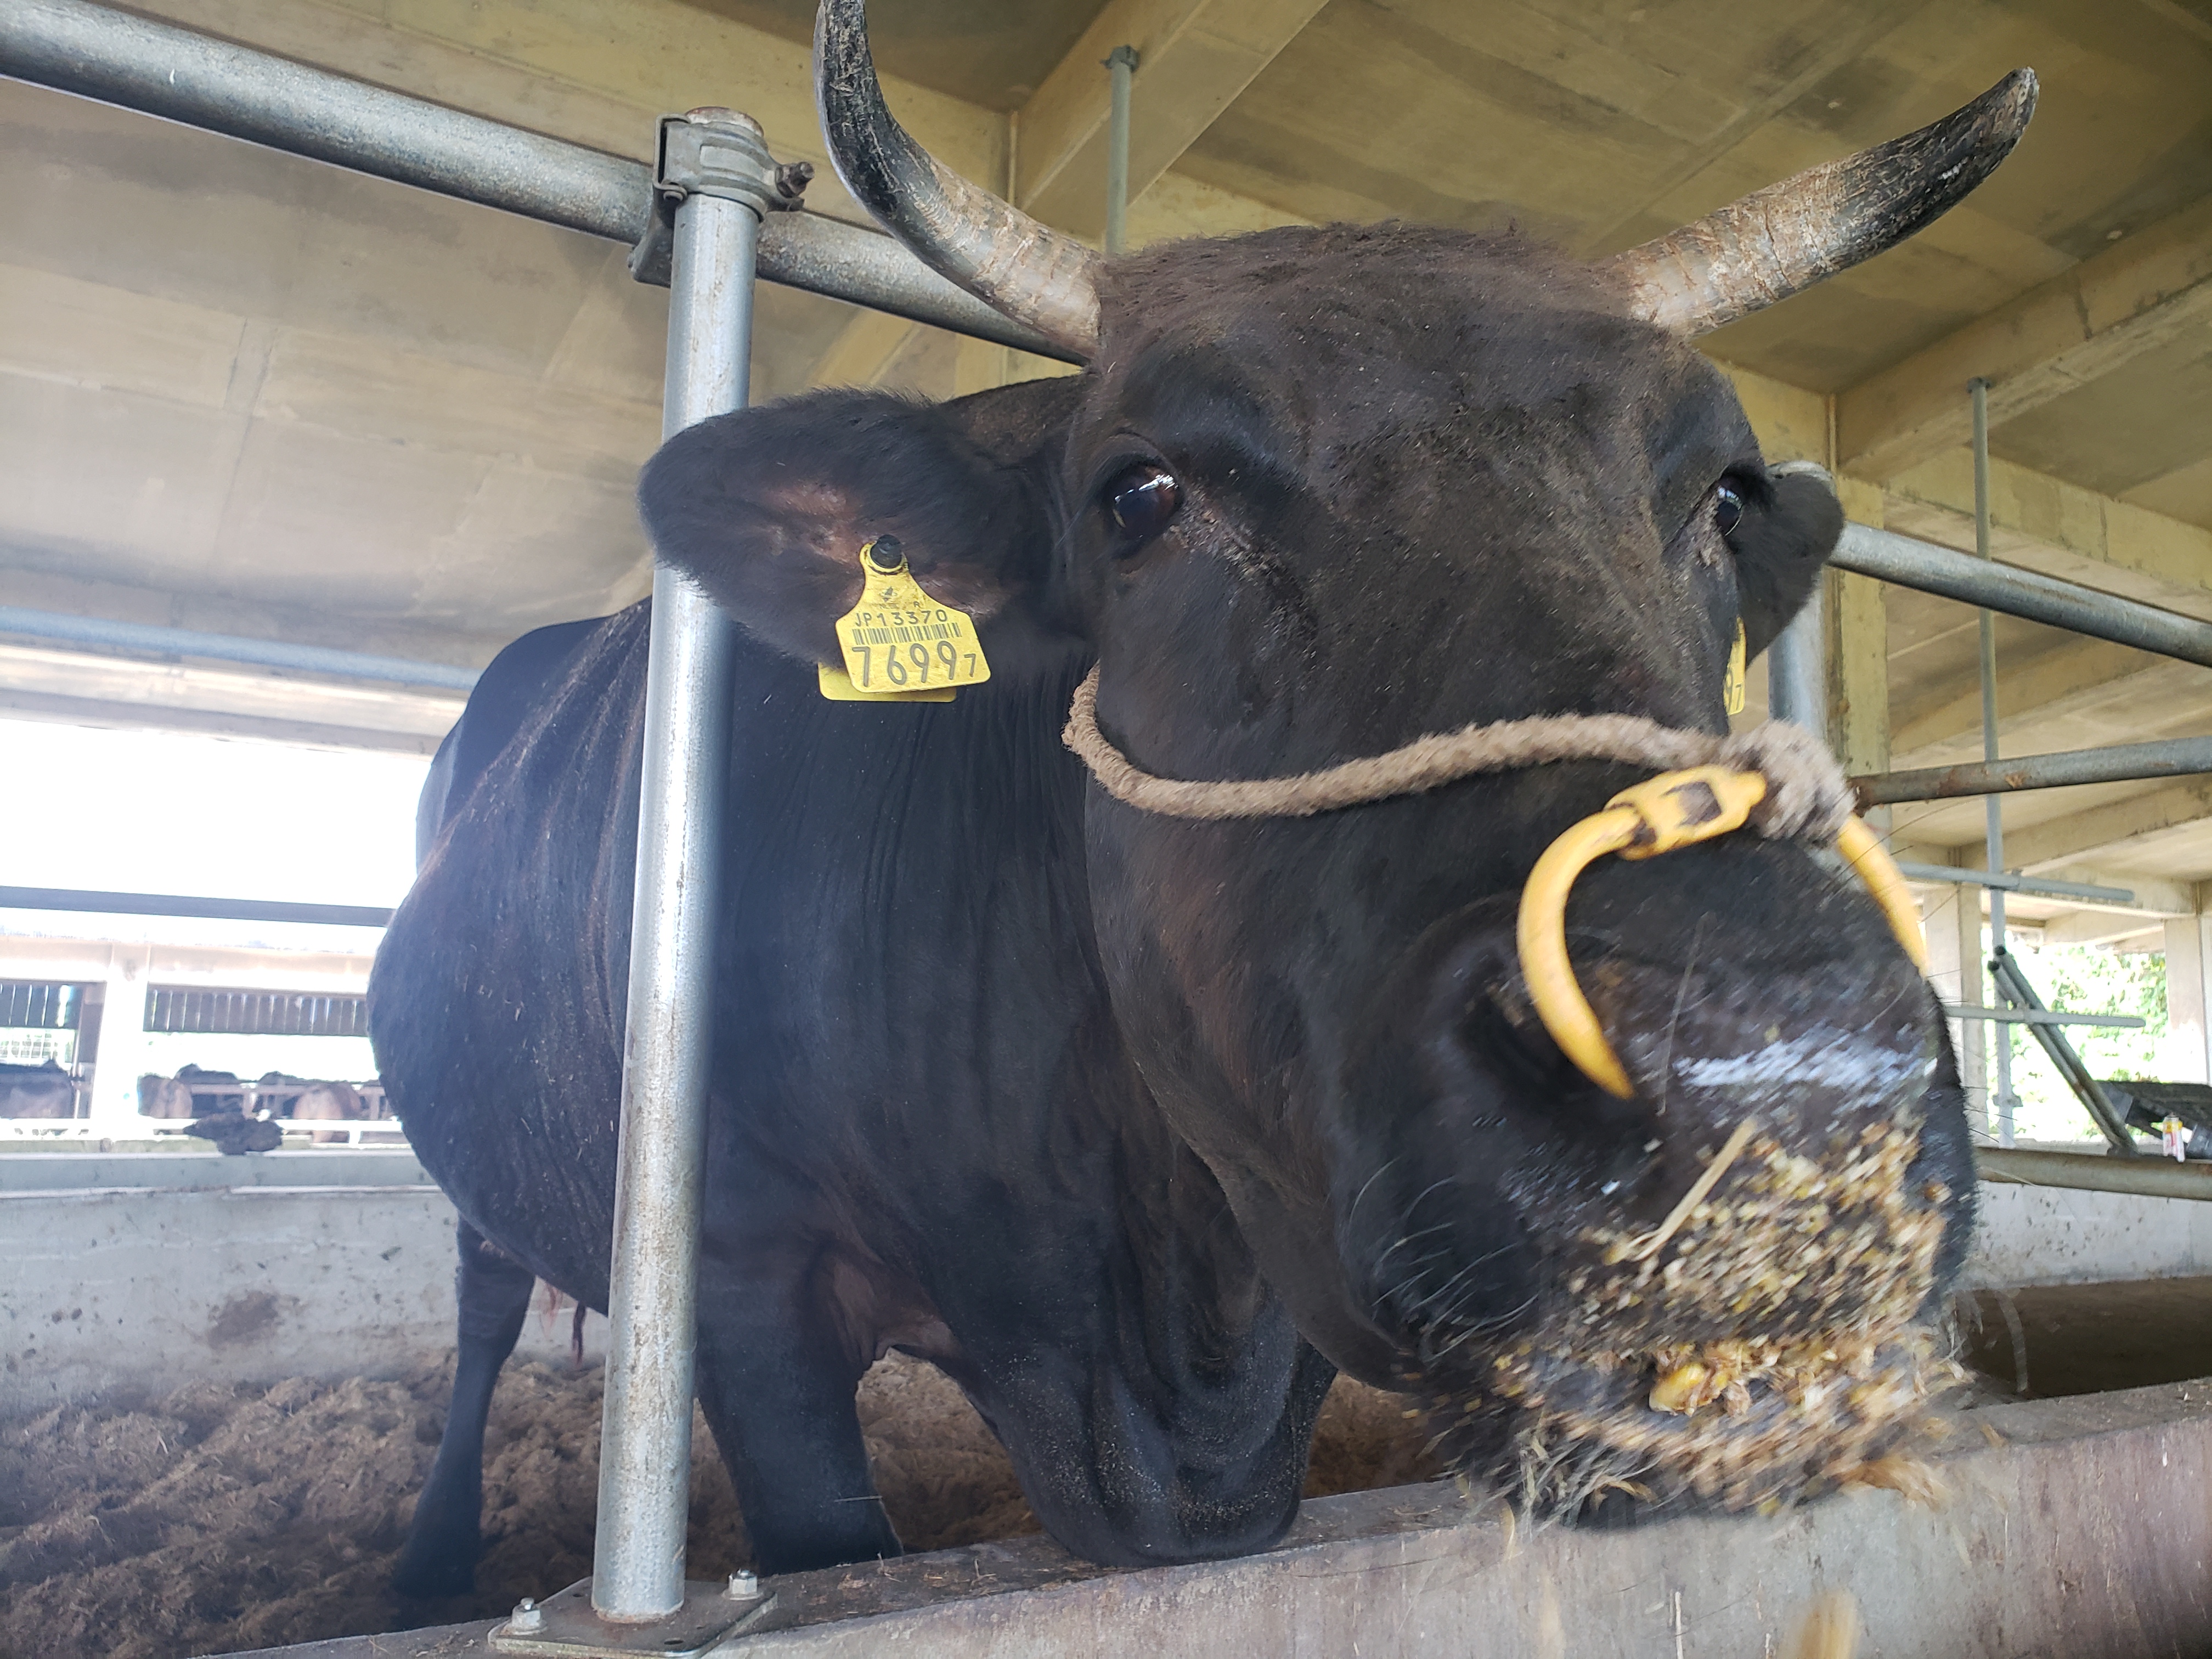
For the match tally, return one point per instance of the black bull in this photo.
(1139, 1127)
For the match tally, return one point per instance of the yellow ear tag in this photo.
(900, 645)
(1732, 683)
(837, 685)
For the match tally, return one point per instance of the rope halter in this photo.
(1775, 777)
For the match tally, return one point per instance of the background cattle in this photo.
(164, 1097)
(198, 1092)
(46, 1090)
(327, 1101)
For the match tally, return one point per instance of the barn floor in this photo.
(222, 1517)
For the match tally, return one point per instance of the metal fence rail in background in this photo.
(161, 70)
(2120, 762)
(2144, 1177)
(86, 900)
(58, 627)
(1929, 569)
(727, 221)
(2031, 886)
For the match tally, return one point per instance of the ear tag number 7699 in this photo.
(900, 645)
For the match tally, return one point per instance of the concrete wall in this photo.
(2054, 1235)
(210, 1276)
(113, 1287)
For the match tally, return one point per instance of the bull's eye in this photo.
(1140, 502)
(1728, 508)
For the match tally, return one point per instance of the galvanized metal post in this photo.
(1992, 805)
(1797, 669)
(720, 163)
(1120, 66)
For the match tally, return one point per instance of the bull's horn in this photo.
(1788, 236)
(1003, 256)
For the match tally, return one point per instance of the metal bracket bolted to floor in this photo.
(567, 1626)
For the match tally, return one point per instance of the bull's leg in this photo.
(776, 1384)
(493, 1291)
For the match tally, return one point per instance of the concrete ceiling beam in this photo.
(863, 350)
(2099, 927)
(2106, 829)
(2090, 678)
(1194, 58)
(2155, 896)
(2044, 523)
(2148, 293)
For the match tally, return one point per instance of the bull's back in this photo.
(515, 686)
(495, 1002)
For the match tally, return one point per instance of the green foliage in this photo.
(2080, 979)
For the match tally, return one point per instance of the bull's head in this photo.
(1320, 492)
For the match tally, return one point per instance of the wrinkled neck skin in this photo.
(1384, 534)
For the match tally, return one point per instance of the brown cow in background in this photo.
(42, 1091)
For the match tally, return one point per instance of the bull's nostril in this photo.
(1504, 1031)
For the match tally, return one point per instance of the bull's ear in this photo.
(767, 508)
(1780, 547)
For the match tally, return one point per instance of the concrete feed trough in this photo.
(221, 1393)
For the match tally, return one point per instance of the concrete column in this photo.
(123, 1047)
(1858, 672)
(1859, 649)
(2186, 1054)
(1859, 653)
(1953, 922)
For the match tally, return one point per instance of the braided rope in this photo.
(1807, 794)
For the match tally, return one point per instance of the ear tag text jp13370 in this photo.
(1732, 683)
(900, 645)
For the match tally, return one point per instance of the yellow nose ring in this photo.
(1675, 808)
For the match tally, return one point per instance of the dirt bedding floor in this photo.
(225, 1517)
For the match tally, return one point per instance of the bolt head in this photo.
(527, 1616)
(744, 1587)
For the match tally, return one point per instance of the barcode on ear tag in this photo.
(899, 642)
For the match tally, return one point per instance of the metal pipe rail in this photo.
(98, 631)
(204, 909)
(1929, 568)
(2062, 769)
(1121, 67)
(2027, 886)
(2143, 1176)
(2012, 985)
(179, 75)
(2040, 1016)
